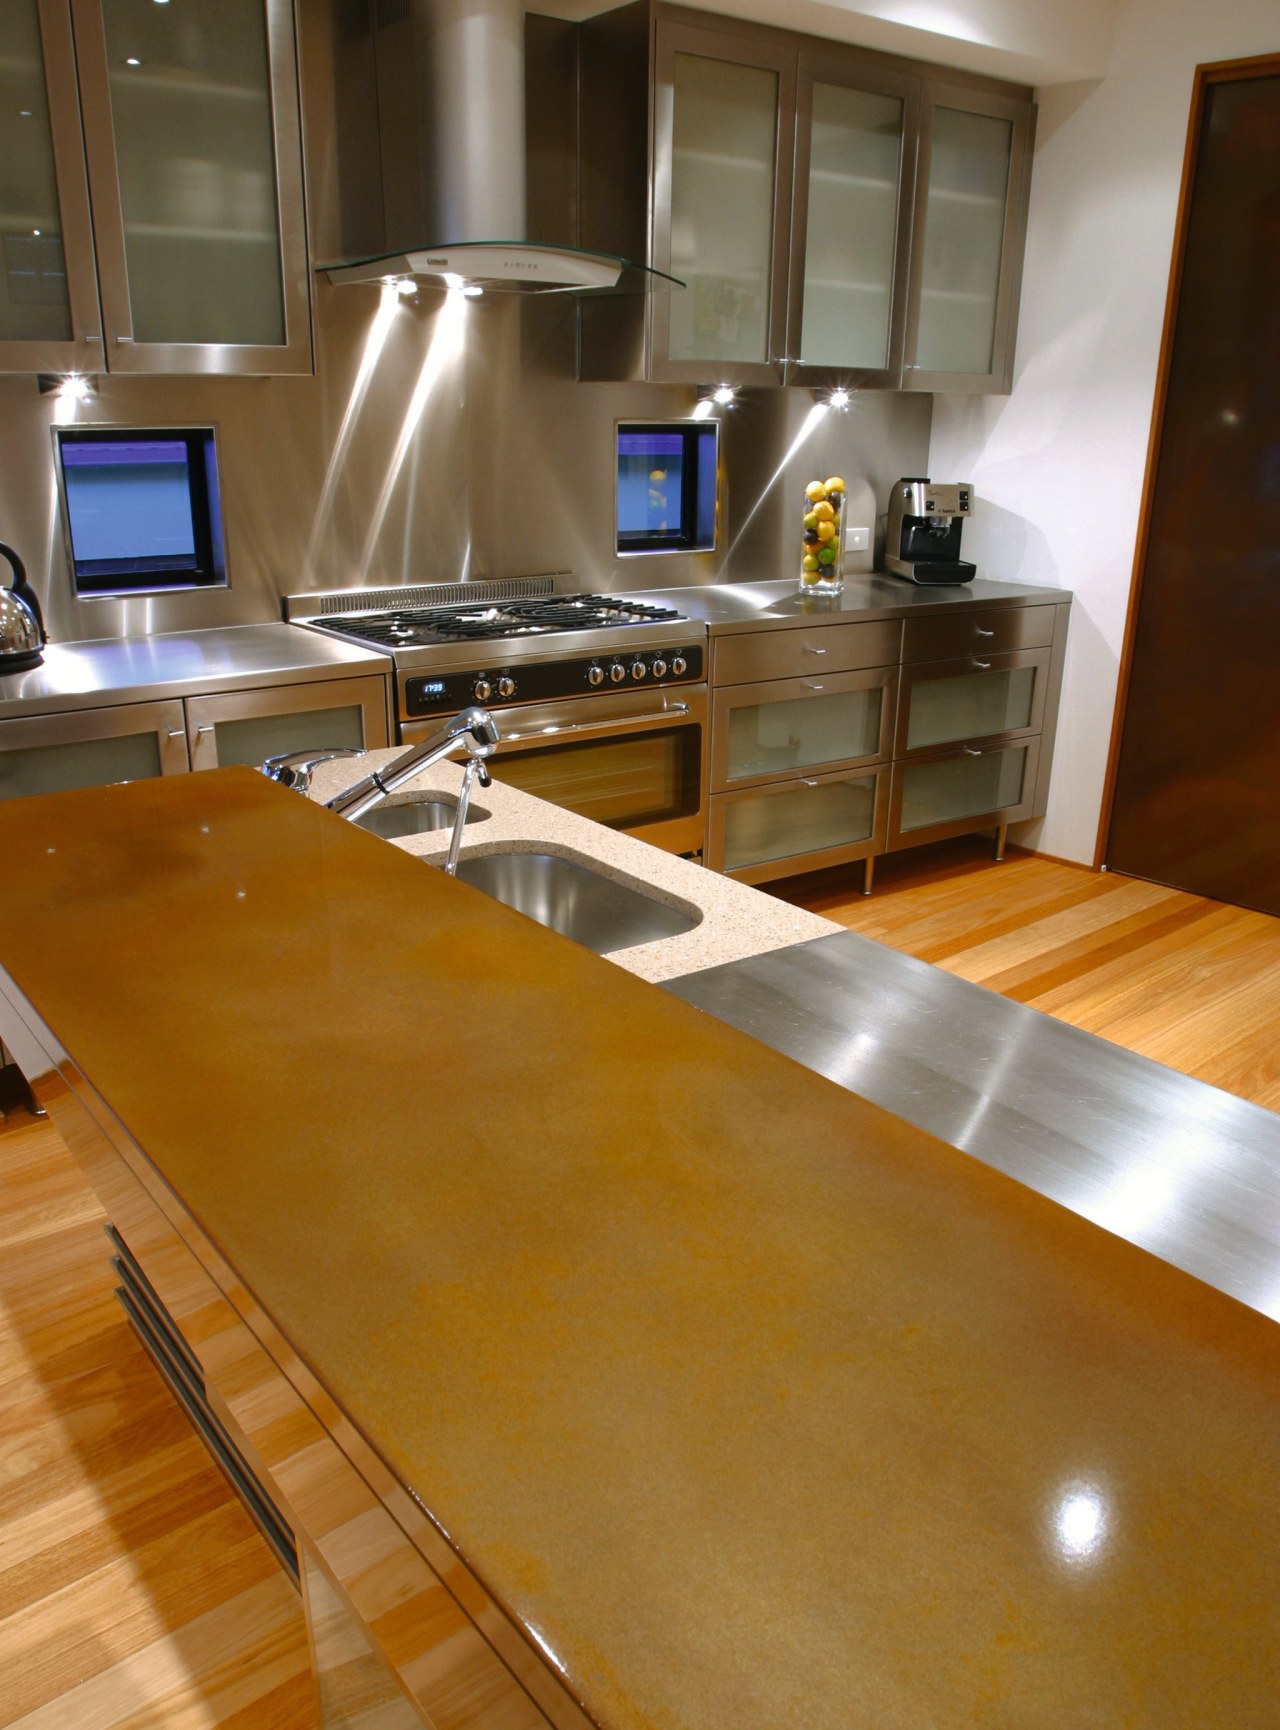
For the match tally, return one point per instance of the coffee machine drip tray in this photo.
(938, 571)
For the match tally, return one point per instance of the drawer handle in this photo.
(808, 782)
(969, 751)
(977, 663)
(811, 651)
(979, 632)
(814, 685)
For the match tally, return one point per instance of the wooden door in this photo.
(1197, 787)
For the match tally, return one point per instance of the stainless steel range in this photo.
(601, 699)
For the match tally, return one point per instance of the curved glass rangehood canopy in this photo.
(506, 267)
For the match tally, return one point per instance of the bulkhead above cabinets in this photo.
(842, 218)
(151, 213)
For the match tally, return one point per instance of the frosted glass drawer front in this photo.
(945, 794)
(763, 731)
(722, 184)
(91, 748)
(256, 737)
(954, 700)
(794, 826)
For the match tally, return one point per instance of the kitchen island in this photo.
(673, 1385)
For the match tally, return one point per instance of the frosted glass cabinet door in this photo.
(250, 726)
(948, 701)
(192, 142)
(970, 223)
(796, 826)
(774, 728)
(48, 292)
(722, 143)
(91, 748)
(935, 798)
(852, 224)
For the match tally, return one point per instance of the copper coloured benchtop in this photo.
(757, 1407)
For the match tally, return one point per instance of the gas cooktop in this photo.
(417, 627)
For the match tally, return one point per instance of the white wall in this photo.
(1058, 465)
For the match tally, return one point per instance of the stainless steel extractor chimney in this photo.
(462, 111)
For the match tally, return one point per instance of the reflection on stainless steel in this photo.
(1179, 1168)
(597, 911)
(415, 817)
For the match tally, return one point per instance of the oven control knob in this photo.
(659, 667)
(638, 669)
(483, 690)
(617, 672)
(679, 665)
(595, 675)
(506, 686)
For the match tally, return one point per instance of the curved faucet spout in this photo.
(474, 731)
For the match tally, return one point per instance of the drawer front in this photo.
(956, 792)
(788, 726)
(249, 726)
(800, 825)
(789, 654)
(980, 697)
(942, 635)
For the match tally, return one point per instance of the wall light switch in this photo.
(857, 540)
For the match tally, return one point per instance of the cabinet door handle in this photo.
(206, 729)
(979, 632)
(177, 732)
(969, 751)
(983, 664)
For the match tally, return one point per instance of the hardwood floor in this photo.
(1192, 983)
(135, 1593)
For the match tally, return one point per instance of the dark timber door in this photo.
(1197, 792)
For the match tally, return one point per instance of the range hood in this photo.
(450, 98)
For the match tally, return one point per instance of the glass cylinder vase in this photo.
(822, 538)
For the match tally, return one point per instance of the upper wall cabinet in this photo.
(966, 265)
(151, 188)
(839, 217)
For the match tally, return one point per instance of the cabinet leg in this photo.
(1002, 831)
(868, 872)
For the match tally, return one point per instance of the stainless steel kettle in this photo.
(22, 635)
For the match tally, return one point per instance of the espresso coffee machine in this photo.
(923, 539)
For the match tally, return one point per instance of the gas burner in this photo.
(499, 620)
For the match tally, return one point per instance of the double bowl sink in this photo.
(563, 894)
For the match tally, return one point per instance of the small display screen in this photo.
(666, 481)
(650, 482)
(141, 510)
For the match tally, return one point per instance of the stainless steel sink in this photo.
(594, 910)
(413, 817)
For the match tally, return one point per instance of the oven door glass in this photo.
(623, 780)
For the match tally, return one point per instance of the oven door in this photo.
(630, 760)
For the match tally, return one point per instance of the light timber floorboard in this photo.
(135, 1594)
(1194, 984)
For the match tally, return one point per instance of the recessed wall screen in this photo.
(141, 509)
(667, 486)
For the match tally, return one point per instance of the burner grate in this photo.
(503, 619)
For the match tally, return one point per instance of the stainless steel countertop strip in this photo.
(1169, 1163)
(730, 608)
(96, 675)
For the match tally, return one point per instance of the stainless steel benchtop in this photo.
(93, 675)
(727, 609)
(1177, 1167)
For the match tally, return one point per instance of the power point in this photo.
(857, 540)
